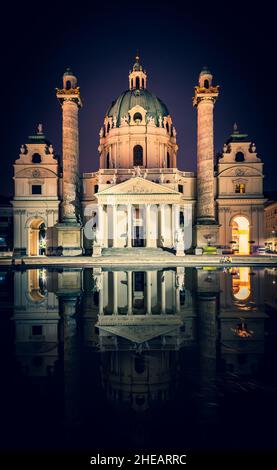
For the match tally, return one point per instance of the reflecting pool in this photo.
(181, 358)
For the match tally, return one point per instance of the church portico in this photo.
(138, 213)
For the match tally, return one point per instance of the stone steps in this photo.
(143, 253)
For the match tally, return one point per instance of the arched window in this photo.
(137, 82)
(206, 84)
(138, 155)
(36, 158)
(108, 160)
(168, 160)
(137, 117)
(108, 127)
(239, 157)
(167, 127)
(143, 83)
(68, 85)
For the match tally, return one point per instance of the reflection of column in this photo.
(162, 234)
(148, 292)
(70, 356)
(101, 302)
(129, 225)
(177, 300)
(115, 297)
(114, 209)
(163, 292)
(130, 293)
(148, 222)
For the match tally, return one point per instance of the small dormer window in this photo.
(36, 158)
(239, 157)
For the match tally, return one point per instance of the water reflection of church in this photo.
(140, 322)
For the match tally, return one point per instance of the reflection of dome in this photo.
(130, 98)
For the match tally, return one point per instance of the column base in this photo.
(96, 250)
(180, 249)
(65, 239)
(19, 252)
(205, 235)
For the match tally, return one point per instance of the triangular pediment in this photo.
(138, 333)
(138, 185)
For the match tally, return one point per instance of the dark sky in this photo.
(236, 41)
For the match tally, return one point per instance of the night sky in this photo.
(99, 42)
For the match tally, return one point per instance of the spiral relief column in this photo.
(204, 99)
(69, 230)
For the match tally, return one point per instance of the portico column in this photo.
(129, 226)
(101, 223)
(114, 225)
(148, 222)
(172, 224)
(162, 237)
(115, 298)
(148, 292)
(177, 216)
(130, 290)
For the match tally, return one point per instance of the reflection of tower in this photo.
(69, 233)
(68, 289)
(204, 100)
(207, 307)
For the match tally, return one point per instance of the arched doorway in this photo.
(37, 237)
(241, 286)
(240, 235)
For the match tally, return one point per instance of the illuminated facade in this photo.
(140, 197)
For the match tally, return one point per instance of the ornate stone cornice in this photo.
(73, 94)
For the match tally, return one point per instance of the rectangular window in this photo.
(37, 330)
(181, 220)
(96, 189)
(36, 189)
(180, 188)
(240, 188)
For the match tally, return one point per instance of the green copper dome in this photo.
(130, 98)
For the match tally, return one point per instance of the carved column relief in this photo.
(70, 160)
(205, 160)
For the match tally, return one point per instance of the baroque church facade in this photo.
(138, 197)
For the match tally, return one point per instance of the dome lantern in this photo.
(137, 76)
